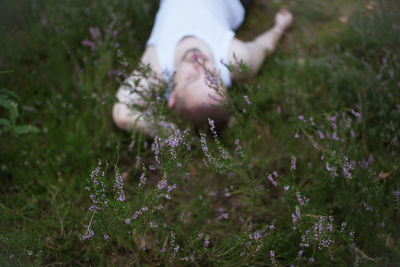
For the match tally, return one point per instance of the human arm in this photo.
(124, 115)
(130, 95)
(253, 53)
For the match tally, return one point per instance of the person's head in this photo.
(193, 98)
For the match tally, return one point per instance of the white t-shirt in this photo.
(212, 21)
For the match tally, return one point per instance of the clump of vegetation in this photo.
(305, 174)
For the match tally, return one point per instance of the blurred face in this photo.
(190, 81)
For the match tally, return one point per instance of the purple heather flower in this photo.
(213, 97)
(176, 249)
(293, 164)
(95, 33)
(321, 135)
(211, 79)
(204, 145)
(128, 221)
(269, 177)
(212, 126)
(106, 237)
(246, 98)
(153, 225)
(286, 188)
(355, 113)
(297, 211)
(89, 234)
(142, 180)
(119, 185)
(300, 253)
(333, 118)
(237, 144)
(206, 242)
(162, 184)
(272, 255)
(171, 187)
(89, 44)
(302, 200)
(223, 216)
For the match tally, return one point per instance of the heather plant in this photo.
(306, 172)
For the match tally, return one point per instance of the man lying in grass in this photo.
(191, 46)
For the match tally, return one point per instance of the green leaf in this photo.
(5, 123)
(25, 129)
(5, 102)
(5, 91)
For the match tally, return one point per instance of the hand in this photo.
(283, 19)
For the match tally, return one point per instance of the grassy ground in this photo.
(327, 99)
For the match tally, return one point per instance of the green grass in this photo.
(324, 68)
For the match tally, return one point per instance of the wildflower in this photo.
(271, 227)
(302, 200)
(119, 185)
(286, 188)
(272, 255)
(237, 145)
(269, 177)
(171, 187)
(162, 184)
(153, 225)
(128, 221)
(199, 236)
(142, 179)
(89, 234)
(212, 126)
(300, 253)
(206, 242)
(246, 98)
(213, 97)
(297, 211)
(95, 33)
(301, 117)
(211, 79)
(204, 145)
(355, 113)
(89, 44)
(293, 164)
(254, 236)
(343, 226)
(333, 118)
(223, 216)
(156, 148)
(321, 135)
(106, 237)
